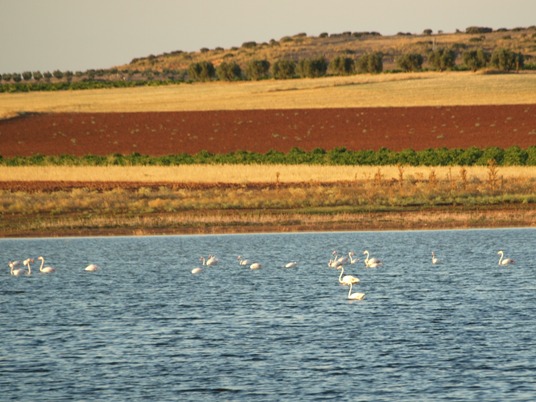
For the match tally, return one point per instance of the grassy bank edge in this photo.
(263, 221)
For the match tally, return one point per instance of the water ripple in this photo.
(145, 328)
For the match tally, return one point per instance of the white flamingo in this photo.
(212, 260)
(352, 259)
(371, 262)
(197, 270)
(14, 268)
(356, 295)
(45, 270)
(27, 263)
(208, 262)
(504, 261)
(347, 279)
(242, 261)
(336, 261)
(291, 264)
(435, 260)
(255, 265)
(92, 268)
(331, 262)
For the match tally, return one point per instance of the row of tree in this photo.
(440, 59)
(512, 156)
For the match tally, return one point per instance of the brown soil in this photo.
(163, 133)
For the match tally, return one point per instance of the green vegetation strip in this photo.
(512, 156)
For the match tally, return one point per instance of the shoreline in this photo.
(215, 223)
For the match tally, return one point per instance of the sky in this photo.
(77, 35)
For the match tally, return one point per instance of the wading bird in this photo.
(371, 262)
(14, 268)
(92, 268)
(255, 265)
(347, 279)
(355, 296)
(504, 261)
(45, 270)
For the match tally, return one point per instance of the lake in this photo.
(144, 327)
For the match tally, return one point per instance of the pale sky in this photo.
(78, 35)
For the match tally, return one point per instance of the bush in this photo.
(258, 69)
(370, 63)
(442, 59)
(312, 68)
(476, 59)
(410, 62)
(229, 71)
(342, 66)
(478, 30)
(506, 60)
(202, 71)
(515, 156)
(284, 69)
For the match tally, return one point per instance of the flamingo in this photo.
(196, 270)
(242, 261)
(347, 279)
(212, 260)
(505, 261)
(291, 264)
(331, 262)
(14, 268)
(435, 260)
(255, 265)
(371, 262)
(26, 263)
(92, 268)
(355, 296)
(337, 261)
(352, 259)
(15, 264)
(45, 270)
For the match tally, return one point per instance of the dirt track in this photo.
(163, 133)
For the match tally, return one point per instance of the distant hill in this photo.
(350, 44)
(176, 66)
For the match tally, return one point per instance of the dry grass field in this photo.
(246, 174)
(383, 90)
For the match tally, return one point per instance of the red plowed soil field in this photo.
(163, 133)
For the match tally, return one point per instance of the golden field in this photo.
(382, 90)
(244, 174)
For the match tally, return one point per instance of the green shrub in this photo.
(284, 69)
(229, 71)
(258, 69)
(341, 66)
(312, 68)
(410, 62)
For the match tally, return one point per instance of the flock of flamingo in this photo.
(26, 269)
(337, 263)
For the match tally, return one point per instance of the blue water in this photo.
(145, 328)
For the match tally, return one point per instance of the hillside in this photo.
(339, 55)
(351, 44)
